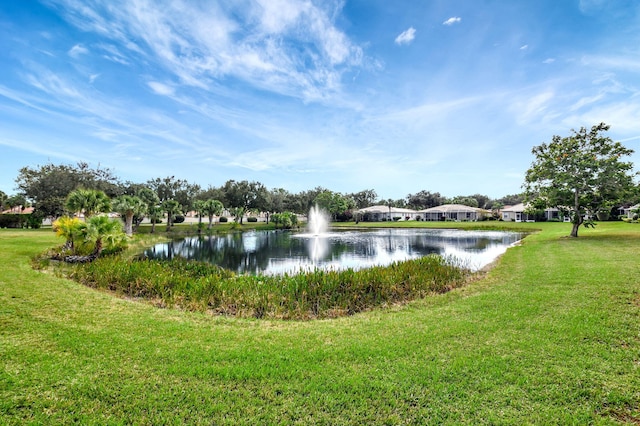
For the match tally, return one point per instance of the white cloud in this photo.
(530, 108)
(524, 47)
(77, 50)
(549, 61)
(288, 47)
(93, 77)
(161, 88)
(452, 20)
(407, 36)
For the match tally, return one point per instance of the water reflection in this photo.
(278, 252)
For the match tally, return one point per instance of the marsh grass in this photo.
(316, 294)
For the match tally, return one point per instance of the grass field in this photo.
(551, 335)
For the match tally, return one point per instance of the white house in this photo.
(381, 212)
(517, 214)
(457, 212)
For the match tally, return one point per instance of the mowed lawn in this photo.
(551, 335)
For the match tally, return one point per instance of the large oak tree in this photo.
(581, 173)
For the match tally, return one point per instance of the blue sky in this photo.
(396, 96)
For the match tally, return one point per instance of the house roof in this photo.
(450, 208)
(385, 209)
(515, 209)
(19, 210)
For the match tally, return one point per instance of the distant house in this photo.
(19, 210)
(381, 213)
(518, 213)
(456, 212)
(630, 211)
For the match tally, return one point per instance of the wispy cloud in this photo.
(161, 88)
(77, 51)
(524, 47)
(288, 47)
(406, 36)
(452, 20)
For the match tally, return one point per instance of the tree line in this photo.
(582, 174)
(47, 188)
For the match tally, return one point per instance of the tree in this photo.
(155, 216)
(580, 173)
(129, 206)
(88, 201)
(70, 229)
(16, 200)
(97, 230)
(244, 196)
(507, 200)
(212, 208)
(170, 188)
(153, 211)
(364, 198)
(48, 186)
(172, 208)
(464, 200)
(101, 230)
(286, 220)
(3, 200)
(333, 202)
(425, 199)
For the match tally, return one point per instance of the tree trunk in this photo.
(574, 229)
(210, 221)
(577, 217)
(128, 224)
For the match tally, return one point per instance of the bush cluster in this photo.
(14, 220)
(318, 294)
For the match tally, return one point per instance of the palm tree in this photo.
(129, 206)
(198, 206)
(70, 229)
(155, 215)
(212, 208)
(88, 201)
(172, 207)
(103, 229)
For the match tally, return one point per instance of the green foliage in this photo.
(179, 190)
(583, 172)
(48, 186)
(317, 294)
(88, 202)
(172, 208)
(129, 206)
(285, 220)
(223, 219)
(333, 202)
(243, 196)
(252, 219)
(11, 220)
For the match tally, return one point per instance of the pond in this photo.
(279, 252)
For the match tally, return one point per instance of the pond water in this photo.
(279, 252)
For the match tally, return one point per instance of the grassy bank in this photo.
(550, 336)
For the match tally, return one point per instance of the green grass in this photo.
(549, 336)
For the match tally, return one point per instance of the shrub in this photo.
(12, 220)
(178, 219)
(252, 219)
(397, 218)
(223, 219)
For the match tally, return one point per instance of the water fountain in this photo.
(317, 222)
(317, 225)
